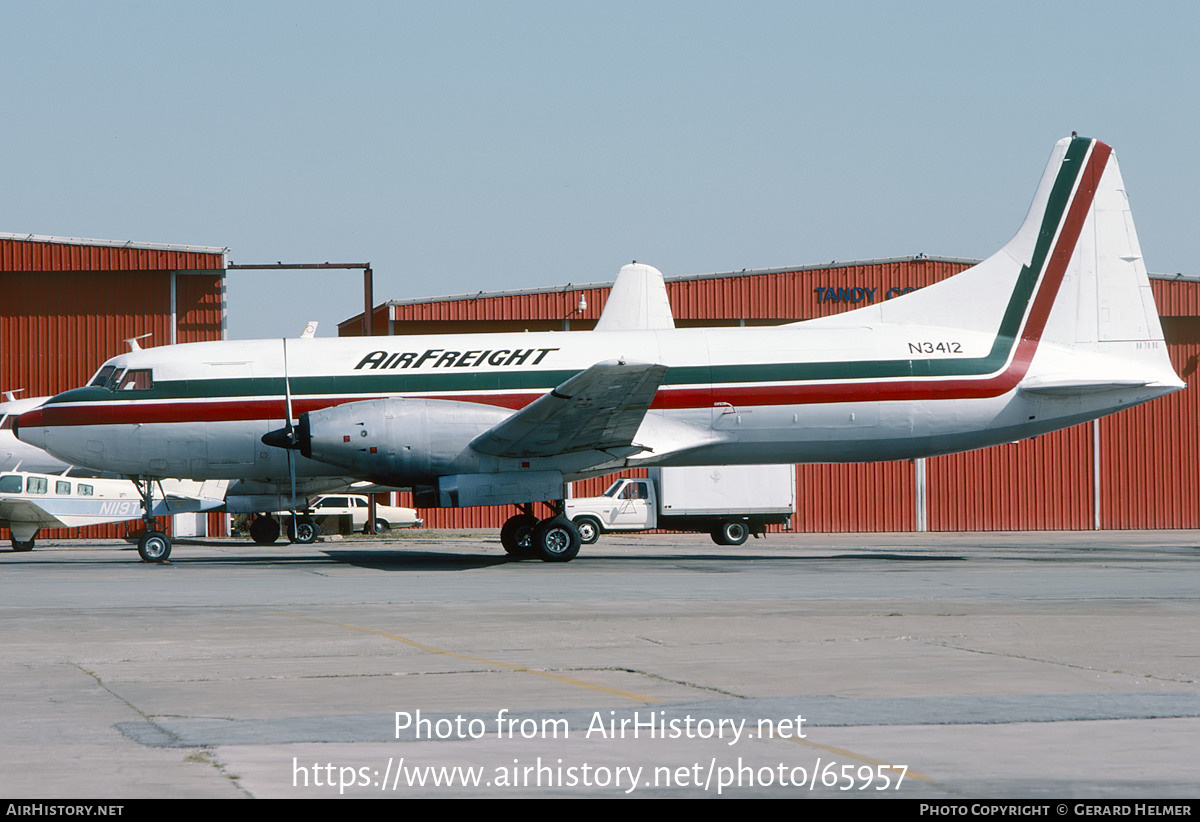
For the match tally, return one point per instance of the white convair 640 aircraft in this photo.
(1056, 328)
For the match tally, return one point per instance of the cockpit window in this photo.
(101, 378)
(10, 484)
(6, 421)
(136, 379)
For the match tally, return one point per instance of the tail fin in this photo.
(1072, 277)
(638, 301)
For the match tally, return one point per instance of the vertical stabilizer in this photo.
(637, 302)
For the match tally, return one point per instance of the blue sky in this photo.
(467, 146)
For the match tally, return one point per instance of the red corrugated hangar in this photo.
(69, 304)
(1135, 469)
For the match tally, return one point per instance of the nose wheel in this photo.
(154, 545)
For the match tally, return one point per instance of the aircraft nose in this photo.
(29, 432)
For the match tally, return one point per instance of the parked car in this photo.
(355, 506)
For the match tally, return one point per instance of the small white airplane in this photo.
(1056, 328)
(31, 501)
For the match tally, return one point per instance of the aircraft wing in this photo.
(18, 510)
(597, 409)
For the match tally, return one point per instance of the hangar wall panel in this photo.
(199, 306)
(1015, 487)
(62, 325)
(855, 497)
(1150, 455)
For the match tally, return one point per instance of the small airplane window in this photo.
(6, 422)
(36, 485)
(10, 484)
(63, 488)
(113, 378)
(85, 490)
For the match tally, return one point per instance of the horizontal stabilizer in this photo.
(600, 408)
(1071, 388)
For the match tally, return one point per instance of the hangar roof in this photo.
(38, 252)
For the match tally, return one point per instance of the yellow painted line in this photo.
(484, 661)
(909, 774)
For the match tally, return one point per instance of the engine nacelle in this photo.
(396, 441)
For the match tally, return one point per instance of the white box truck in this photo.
(730, 502)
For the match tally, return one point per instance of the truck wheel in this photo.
(589, 530)
(730, 532)
(556, 540)
(517, 535)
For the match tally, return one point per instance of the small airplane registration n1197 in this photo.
(1057, 327)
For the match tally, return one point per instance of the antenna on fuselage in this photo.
(133, 341)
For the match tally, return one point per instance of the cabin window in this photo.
(85, 490)
(10, 484)
(63, 488)
(136, 379)
(36, 485)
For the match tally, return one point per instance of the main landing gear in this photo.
(301, 529)
(554, 539)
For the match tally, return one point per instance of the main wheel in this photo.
(517, 535)
(264, 530)
(22, 545)
(589, 530)
(556, 540)
(730, 532)
(302, 530)
(154, 546)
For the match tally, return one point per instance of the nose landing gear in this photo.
(154, 545)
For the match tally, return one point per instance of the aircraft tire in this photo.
(589, 530)
(154, 546)
(22, 545)
(302, 531)
(556, 540)
(264, 530)
(730, 532)
(517, 535)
